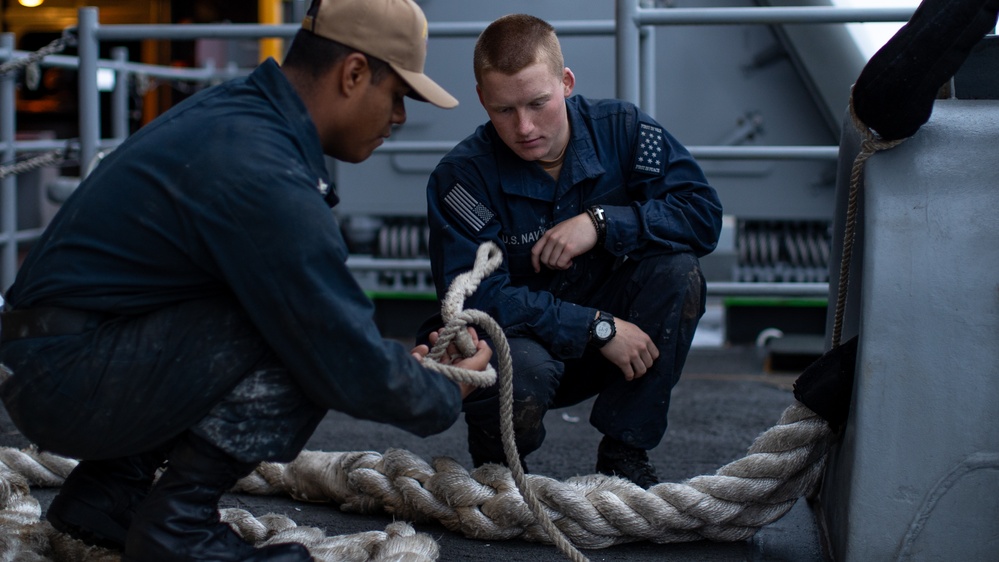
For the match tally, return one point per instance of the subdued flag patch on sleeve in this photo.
(467, 208)
(650, 149)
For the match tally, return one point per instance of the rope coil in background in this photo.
(56, 46)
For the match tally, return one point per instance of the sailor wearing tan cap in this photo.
(190, 304)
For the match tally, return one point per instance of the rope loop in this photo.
(487, 259)
(456, 332)
(456, 320)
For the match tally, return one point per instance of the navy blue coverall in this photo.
(661, 216)
(207, 253)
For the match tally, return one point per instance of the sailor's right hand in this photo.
(476, 362)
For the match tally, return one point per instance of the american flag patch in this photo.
(650, 149)
(467, 208)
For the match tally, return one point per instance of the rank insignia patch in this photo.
(467, 207)
(650, 149)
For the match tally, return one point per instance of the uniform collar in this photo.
(527, 179)
(581, 158)
(287, 103)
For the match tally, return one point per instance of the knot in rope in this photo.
(872, 142)
(456, 320)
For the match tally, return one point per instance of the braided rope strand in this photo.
(595, 511)
(23, 536)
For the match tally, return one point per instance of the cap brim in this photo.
(425, 89)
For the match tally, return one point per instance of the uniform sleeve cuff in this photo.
(574, 331)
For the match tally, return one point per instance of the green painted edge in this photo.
(400, 295)
(771, 301)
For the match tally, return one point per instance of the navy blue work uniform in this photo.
(661, 216)
(205, 251)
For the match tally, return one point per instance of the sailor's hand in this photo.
(631, 349)
(563, 242)
(476, 362)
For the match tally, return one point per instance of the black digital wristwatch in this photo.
(602, 330)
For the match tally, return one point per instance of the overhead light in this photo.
(105, 79)
(30, 3)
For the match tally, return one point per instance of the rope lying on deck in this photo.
(596, 511)
(23, 537)
(491, 503)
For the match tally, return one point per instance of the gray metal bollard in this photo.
(916, 476)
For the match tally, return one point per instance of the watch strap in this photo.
(596, 341)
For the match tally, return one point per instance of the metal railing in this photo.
(633, 29)
(715, 288)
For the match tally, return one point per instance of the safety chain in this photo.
(30, 63)
(67, 39)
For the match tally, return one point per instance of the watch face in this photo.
(602, 330)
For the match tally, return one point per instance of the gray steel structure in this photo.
(758, 104)
(916, 473)
(757, 117)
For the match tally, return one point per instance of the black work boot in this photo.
(481, 459)
(484, 447)
(98, 500)
(615, 458)
(179, 519)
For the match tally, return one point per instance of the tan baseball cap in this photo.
(394, 31)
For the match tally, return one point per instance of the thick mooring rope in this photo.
(491, 503)
(595, 511)
(783, 464)
(24, 537)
